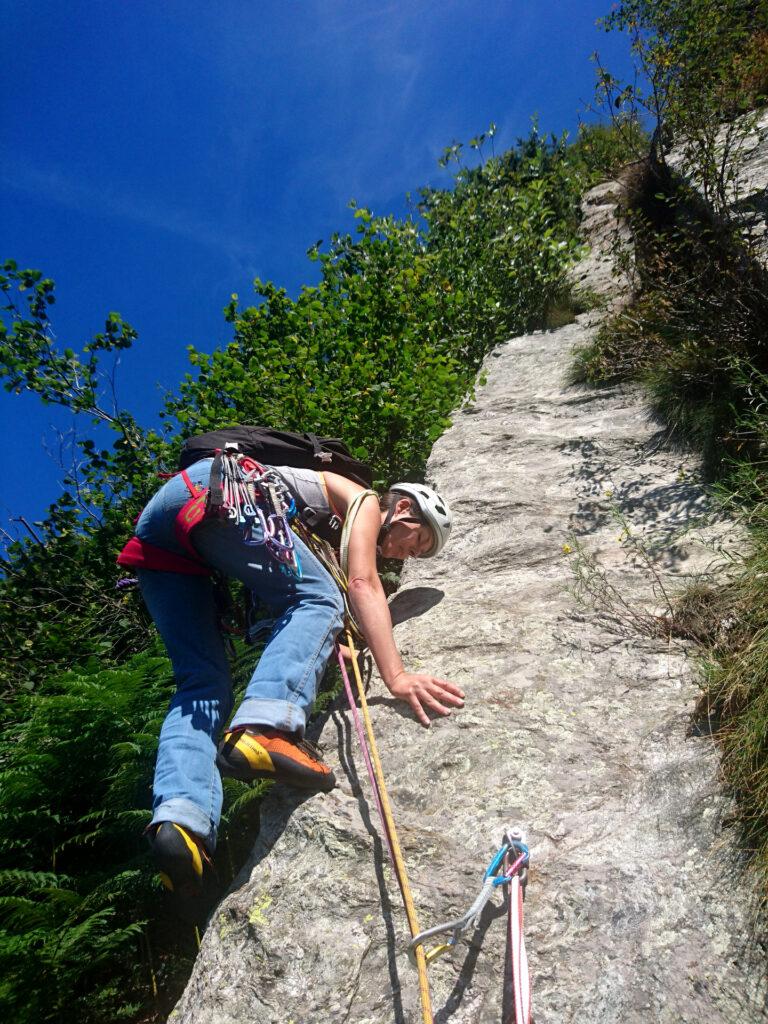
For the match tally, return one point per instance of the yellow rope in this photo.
(402, 874)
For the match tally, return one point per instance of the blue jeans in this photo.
(187, 787)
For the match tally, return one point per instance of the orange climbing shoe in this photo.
(186, 870)
(260, 752)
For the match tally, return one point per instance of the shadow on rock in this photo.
(464, 980)
(672, 508)
(409, 604)
(346, 759)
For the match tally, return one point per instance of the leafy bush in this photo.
(605, 149)
(77, 890)
(499, 242)
(389, 341)
(702, 60)
(698, 64)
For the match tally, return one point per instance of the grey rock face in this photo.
(605, 233)
(575, 728)
(750, 189)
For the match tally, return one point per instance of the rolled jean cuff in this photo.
(183, 812)
(280, 714)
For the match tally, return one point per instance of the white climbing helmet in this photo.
(434, 511)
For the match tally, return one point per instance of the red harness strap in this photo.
(139, 554)
(191, 515)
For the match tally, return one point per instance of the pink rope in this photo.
(513, 870)
(520, 981)
(366, 755)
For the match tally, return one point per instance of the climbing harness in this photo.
(251, 496)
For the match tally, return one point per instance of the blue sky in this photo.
(158, 156)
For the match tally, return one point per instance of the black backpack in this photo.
(280, 448)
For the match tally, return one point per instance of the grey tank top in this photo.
(308, 486)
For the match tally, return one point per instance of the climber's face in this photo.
(408, 536)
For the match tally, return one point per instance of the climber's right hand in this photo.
(425, 692)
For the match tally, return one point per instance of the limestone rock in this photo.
(605, 233)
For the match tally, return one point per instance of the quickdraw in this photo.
(512, 843)
(508, 867)
(248, 490)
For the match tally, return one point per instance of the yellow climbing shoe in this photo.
(260, 752)
(186, 870)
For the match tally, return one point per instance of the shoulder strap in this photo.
(347, 531)
(317, 448)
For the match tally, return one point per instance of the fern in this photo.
(75, 885)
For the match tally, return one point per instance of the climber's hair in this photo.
(389, 499)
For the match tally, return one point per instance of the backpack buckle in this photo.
(310, 516)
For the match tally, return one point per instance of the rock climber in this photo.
(265, 738)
